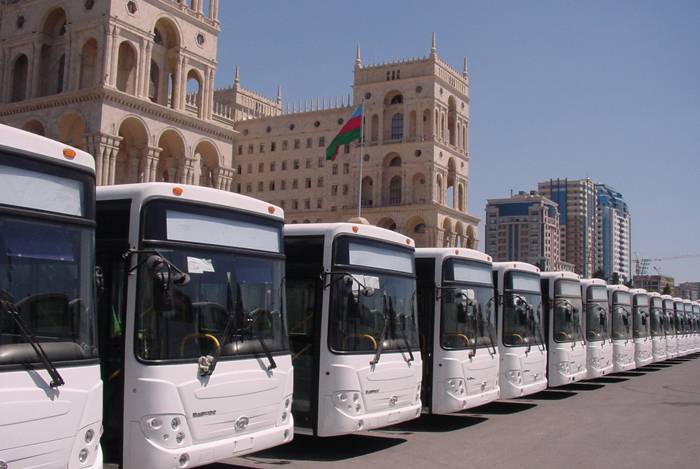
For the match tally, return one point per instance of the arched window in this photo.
(419, 228)
(397, 126)
(19, 78)
(395, 190)
(367, 189)
(375, 128)
(126, 68)
(451, 121)
(154, 82)
(398, 99)
(88, 64)
(395, 161)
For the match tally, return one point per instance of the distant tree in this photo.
(599, 274)
(666, 290)
(629, 283)
(615, 279)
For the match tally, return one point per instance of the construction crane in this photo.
(641, 264)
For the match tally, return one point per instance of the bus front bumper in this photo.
(340, 423)
(450, 404)
(512, 391)
(144, 453)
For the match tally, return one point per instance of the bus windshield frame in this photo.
(669, 317)
(234, 289)
(567, 311)
(621, 315)
(597, 313)
(656, 316)
(371, 309)
(640, 316)
(51, 243)
(467, 307)
(522, 310)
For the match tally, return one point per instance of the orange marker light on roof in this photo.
(457, 252)
(270, 209)
(69, 153)
(355, 229)
(408, 240)
(177, 191)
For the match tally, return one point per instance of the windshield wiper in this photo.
(9, 307)
(253, 317)
(207, 363)
(380, 345)
(393, 315)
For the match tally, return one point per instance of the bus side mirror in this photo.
(163, 279)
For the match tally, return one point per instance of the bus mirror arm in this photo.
(99, 282)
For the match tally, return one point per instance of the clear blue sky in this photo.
(605, 89)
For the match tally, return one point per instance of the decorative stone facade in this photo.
(132, 82)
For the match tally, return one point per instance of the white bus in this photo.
(353, 329)
(192, 330)
(620, 301)
(641, 330)
(563, 320)
(681, 332)
(670, 327)
(599, 348)
(521, 343)
(457, 319)
(689, 326)
(657, 327)
(696, 325)
(50, 386)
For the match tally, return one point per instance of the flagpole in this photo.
(362, 137)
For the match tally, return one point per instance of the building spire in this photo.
(433, 48)
(279, 94)
(237, 77)
(358, 56)
(465, 73)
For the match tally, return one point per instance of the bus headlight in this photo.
(285, 411)
(349, 402)
(514, 376)
(169, 431)
(456, 387)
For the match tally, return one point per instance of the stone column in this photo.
(187, 176)
(138, 86)
(152, 156)
(4, 84)
(177, 86)
(147, 69)
(214, 10)
(68, 61)
(224, 179)
(32, 89)
(114, 58)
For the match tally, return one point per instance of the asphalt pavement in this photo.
(647, 418)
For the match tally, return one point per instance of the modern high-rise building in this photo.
(612, 234)
(524, 227)
(577, 203)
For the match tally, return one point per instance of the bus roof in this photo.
(444, 253)
(589, 282)
(514, 265)
(614, 288)
(358, 229)
(639, 291)
(205, 195)
(654, 294)
(20, 141)
(560, 274)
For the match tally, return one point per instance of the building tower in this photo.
(613, 236)
(130, 81)
(415, 156)
(524, 227)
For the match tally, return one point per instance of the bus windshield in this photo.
(669, 317)
(597, 322)
(679, 317)
(522, 310)
(468, 313)
(194, 299)
(48, 273)
(641, 316)
(621, 316)
(567, 311)
(656, 316)
(372, 309)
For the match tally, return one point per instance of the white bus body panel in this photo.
(479, 373)
(599, 353)
(45, 427)
(566, 361)
(240, 390)
(623, 349)
(209, 409)
(390, 390)
(41, 426)
(520, 372)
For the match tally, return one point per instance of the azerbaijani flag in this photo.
(349, 133)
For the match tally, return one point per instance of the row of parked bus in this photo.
(170, 326)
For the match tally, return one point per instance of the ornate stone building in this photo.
(415, 170)
(132, 82)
